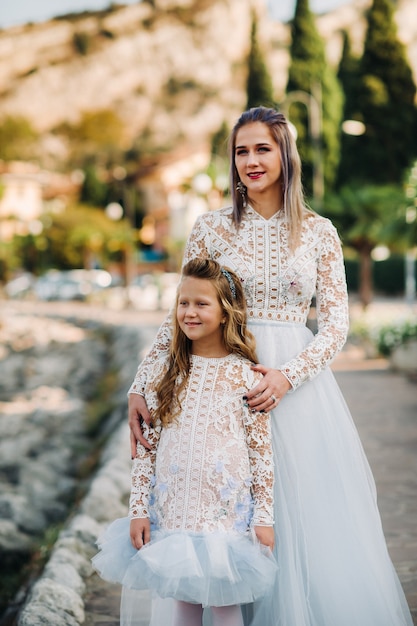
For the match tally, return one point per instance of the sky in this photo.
(15, 12)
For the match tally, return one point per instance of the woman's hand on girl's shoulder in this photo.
(267, 394)
(140, 532)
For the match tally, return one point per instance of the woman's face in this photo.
(257, 159)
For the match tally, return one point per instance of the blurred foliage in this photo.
(348, 75)
(388, 276)
(219, 142)
(80, 233)
(361, 215)
(98, 137)
(82, 42)
(94, 190)
(383, 98)
(309, 72)
(391, 336)
(381, 337)
(259, 90)
(79, 237)
(18, 138)
(175, 86)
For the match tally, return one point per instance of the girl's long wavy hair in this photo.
(236, 336)
(293, 201)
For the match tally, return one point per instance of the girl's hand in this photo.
(137, 409)
(269, 391)
(140, 532)
(265, 535)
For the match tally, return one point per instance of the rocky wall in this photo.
(50, 370)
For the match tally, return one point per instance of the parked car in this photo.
(152, 292)
(20, 286)
(71, 284)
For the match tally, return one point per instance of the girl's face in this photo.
(200, 316)
(257, 159)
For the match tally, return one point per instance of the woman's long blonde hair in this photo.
(293, 201)
(236, 336)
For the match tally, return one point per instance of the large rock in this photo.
(49, 369)
(51, 602)
(34, 489)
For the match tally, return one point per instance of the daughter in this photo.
(201, 505)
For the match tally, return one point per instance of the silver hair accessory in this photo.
(241, 188)
(230, 281)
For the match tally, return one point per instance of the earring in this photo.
(240, 187)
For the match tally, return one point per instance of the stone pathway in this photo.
(384, 406)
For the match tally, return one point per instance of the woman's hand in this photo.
(140, 532)
(137, 409)
(265, 535)
(269, 391)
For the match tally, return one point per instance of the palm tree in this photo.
(363, 215)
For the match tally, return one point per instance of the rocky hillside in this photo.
(173, 70)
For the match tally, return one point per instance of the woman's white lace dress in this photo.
(334, 567)
(206, 482)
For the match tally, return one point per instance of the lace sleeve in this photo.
(332, 312)
(143, 470)
(258, 436)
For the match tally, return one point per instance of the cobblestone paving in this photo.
(384, 407)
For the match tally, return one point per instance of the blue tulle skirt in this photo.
(212, 569)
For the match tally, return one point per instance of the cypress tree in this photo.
(387, 95)
(259, 84)
(309, 73)
(348, 75)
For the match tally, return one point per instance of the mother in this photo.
(334, 567)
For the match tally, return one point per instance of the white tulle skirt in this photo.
(211, 569)
(333, 564)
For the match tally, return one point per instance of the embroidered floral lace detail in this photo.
(199, 475)
(279, 285)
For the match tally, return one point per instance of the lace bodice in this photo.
(279, 284)
(212, 468)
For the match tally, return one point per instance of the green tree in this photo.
(79, 232)
(259, 85)
(311, 74)
(348, 75)
(387, 97)
(99, 137)
(401, 232)
(17, 138)
(82, 43)
(94, 191)
(218, 168)
(219, 141)
(361, 215)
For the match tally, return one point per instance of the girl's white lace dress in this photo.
(334, 567)
(206, 482)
